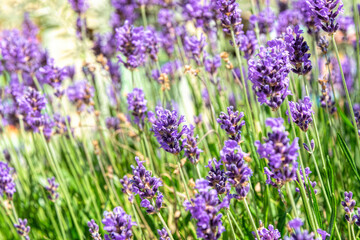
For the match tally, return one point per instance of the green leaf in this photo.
(345, 118)
(333, 216)
(348, 156)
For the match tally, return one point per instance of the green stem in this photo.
(183, 178)
(165, 225)
(231, 226)
(251, 218)
(60, 222)
(137, 220)
(288, 190)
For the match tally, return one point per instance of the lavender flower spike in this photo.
(7, 184)
(94, 230)
(268, 72)
(296, 225)
(238, 172)
(146, 186)
(163, 234)
(137, 106)
(118, 224)
(269, 233)
(232, 123)
(301, 113)
(325, 13)
(217, 177)
(52, 189)
(165, 128)
(282, 155)
(22, 229)
(349, 205)
(189, 144)
(205, 209)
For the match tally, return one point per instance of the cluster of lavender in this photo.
(94, 230)
(296, 224)
(282, 155)
(217, 177)
(143, 184)
(205, 209)
(7, 184)
(137, 106)
(269, 74)
(117, 223)
(301, 113)
(52, 189)
(190, 146)
(305, 180)
(165, 127)
(232, 123)
(237, 171)
(267, 233)
(349, 205)
(22, 229)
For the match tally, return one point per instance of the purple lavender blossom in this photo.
(81, 94)
(205, 209)
(194, 47)
(323, 44)
(52, 189)
(281, 155)
(29, 29)
(325, 13)
(118, 224)
(269, 233)
(348, 67)
(163, 234)
(212, 65)
(232, 123)
(249, 44)
(301, 113)
(217, 177)
(79, 6)
(127, 188)
(265, 20)
(189, 144)
(307, 16)
(152, 43)
(349, 205)
(289, 17)
(312, 146)
(131, 44)
(146, 186)
(230, 15)
(165, 128)
(7, 184)
(296, 225)
(305, 180)
(113, 123)
(237, 170)
(61, 125)
(298, 51)
(31, 103)
(22, 229)
(268, 72)
(52, 74)
(94, 230)
(137, 105)
(170, 68)
(323, 234)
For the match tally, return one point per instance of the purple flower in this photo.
(105, 45)
(312, 146)
(325, 13)
(298, 51)
(248, 44)
(131, 43)
(305, 180)
(61, 126)
(232, 123)
(281, 155)
(79, 6)
(323, 44)
(113, 123)
(81, 94)
(7, 184)
(348, 67)
(194, 47)
(163, 234)
(94, 230)
(265, 20)
(301, 113)
(146, 186)
(289, 17)
(170, 68)
(296, 225)
(323, 234)
(152, 43)
(22, 229)
(118, 224)
(205, 209)
(31, 103)
(52, 74)
(29, 29)
(230, 15)
(127, 188)
(52, 189)
(269, 233)
(165, 128)
(217, 178)
(189, 144)
(137, 106)
(269, 74)
(212, 65)
(237, 170)
(349, 205)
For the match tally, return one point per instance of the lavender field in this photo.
(179, 119)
